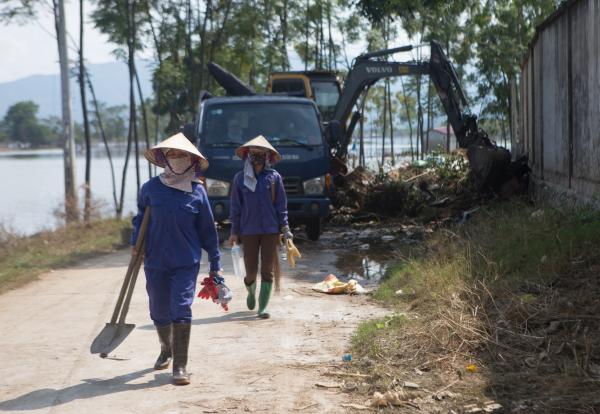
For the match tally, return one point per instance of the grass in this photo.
(513, 293)
(22, 259)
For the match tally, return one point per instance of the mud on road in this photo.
(238, 363)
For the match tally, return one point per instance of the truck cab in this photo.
(321, 86)
(292, 125)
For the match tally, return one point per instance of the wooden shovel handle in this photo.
(132, 264)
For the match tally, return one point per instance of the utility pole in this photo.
(71, 204)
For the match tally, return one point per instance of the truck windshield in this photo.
(284, 124)
(326, 96)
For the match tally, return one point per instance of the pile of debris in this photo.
(437, 189)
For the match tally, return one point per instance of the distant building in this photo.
(437, 138)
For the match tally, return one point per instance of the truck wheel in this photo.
(313, 230)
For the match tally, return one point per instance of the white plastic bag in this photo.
(238, 261)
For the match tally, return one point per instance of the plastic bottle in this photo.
(238, 261)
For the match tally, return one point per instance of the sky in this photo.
(29, 48)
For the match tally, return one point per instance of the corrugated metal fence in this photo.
(559, 122)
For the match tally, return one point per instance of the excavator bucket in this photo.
(489, 166)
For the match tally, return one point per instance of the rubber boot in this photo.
(263, 299)
(165, 338)
(251, 299)
(181, 343)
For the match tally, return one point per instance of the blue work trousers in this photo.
(171, 294)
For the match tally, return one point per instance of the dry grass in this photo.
(502, 308)
(22, 259)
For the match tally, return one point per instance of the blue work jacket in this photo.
(257, 212)
(181, 224)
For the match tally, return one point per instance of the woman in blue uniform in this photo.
(181, 224)
(258, 215)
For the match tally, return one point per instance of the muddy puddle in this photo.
(363, 254)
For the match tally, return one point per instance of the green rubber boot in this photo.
(263, 299)
(251, 299)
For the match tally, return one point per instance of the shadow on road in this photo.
(90, 388)
(228, 317)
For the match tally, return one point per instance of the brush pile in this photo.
(437, 190)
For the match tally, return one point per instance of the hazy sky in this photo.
(29, 48)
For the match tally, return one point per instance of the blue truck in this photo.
(293, 126)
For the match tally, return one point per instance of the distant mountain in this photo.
(111, 83)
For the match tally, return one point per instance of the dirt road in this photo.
(238, 363)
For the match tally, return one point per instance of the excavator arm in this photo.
(488, 162)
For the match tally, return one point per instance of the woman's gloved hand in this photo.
(287, 234)
(209, 291)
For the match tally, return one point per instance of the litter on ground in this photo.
(332, 285)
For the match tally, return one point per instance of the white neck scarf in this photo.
(181, 182)
(249, 176)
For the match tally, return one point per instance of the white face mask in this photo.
(179, 175)
(178, 165)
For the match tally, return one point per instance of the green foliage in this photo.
(504, 29)
(19, 10)
(491, 35)
(21, 124)
(114, 121)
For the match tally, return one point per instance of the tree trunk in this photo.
(384, 129)
(86, 124)
(361, 148)
(447, 118)
(410, 129)
(144, 119)
(429, 113)
(420, 116)
(389, 95)
(132, 104)
(203, 43)
(132, 110)
(332, 55)
(108, 154)
(71, 205)
(306, 36)
(157, 87)
(285, 62)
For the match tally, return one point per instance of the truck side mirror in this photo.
(335, 132)
(188, 131)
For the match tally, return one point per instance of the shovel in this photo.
(117, 330)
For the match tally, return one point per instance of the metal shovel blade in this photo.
(111, 337)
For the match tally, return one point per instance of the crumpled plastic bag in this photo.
(332, 285)
(292, 252)
(224, 296)
(215, 289)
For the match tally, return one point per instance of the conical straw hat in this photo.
(258, 142)
(178, 142)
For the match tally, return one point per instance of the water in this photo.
(32, 187)
(32, 182)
